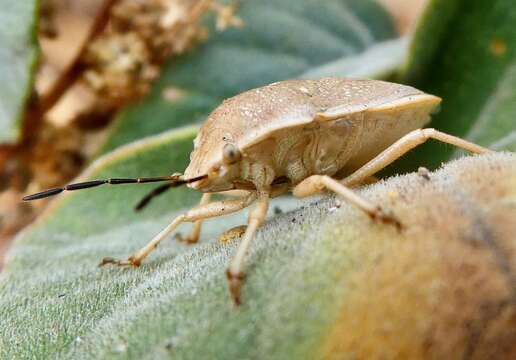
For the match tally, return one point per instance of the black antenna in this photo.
(175, 180)
(151, 195)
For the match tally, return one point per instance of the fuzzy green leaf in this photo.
(18, 54)
(280, 40)
(322, 281)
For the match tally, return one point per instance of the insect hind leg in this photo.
(317, 183)
(404, 145)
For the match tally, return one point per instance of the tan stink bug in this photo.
(299, 135)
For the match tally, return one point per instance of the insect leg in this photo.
(234, 272)
(317, 183)
(231, 234)
(402, 146)
(195, 232)
(199, 212)
(238, 231)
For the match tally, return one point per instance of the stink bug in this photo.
(299, 135)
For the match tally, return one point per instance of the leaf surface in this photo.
(321, 280)
(463, 51)
(18, 54)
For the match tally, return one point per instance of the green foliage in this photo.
(280, 40)
(305, 270)
(464, 52)
(18, 54)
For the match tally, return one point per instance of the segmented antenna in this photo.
(151, 195)
(175, 180)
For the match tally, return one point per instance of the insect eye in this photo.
(231, 154)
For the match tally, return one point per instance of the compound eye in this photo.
(231, 154)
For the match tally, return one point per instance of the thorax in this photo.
(298, 152)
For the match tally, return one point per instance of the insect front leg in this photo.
(200, 212)
(317, 183)
(234, 272)
(195, 232)
(404, 145)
